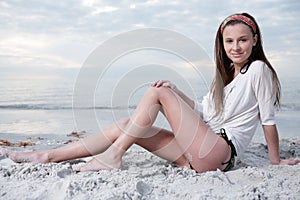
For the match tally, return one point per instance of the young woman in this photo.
(205, 136)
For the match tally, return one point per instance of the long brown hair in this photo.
(225, 70)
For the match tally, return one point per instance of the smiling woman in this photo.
(38, 36)
(204, 136)
(238, 44)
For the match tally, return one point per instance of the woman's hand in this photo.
(172, 86)
(164, 83)
(291, 161)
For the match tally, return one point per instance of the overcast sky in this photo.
(45, 35)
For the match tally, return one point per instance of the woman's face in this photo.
(238, 43)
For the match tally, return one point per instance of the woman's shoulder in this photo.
(258, 67)
(259, 70)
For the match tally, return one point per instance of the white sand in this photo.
(145, 176)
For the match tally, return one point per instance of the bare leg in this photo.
(204, 149)
(161, 144)
(72, 151)
(68, 152)
(101, 141)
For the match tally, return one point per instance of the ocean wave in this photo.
(283, 107)
(61, 107)
(290, 107)
(33, 107)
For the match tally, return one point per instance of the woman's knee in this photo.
(159, 92)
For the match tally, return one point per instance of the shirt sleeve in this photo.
(263, 87)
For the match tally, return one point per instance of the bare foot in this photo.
(19, 157)
(95, 165)
(110, 159)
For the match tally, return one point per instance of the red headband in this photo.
(241, 18)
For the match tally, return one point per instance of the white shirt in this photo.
(248, 99)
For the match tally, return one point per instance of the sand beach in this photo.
(145, 176)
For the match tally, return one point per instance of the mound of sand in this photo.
(145, 176)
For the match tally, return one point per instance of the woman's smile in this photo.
(236, 55)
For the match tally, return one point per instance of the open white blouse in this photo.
(248, 99)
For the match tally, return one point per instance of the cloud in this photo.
(106, 9)
(62, 34)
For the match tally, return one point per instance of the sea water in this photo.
(45, 106)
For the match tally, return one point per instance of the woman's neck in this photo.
(237, 70)
(238, 67)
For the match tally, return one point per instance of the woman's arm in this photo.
(171, 85)
(272, 140)
(271, 135)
